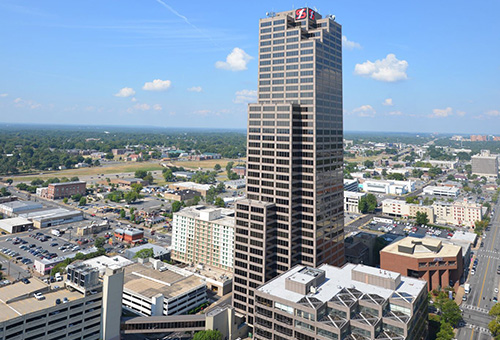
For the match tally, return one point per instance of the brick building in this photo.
(68, 189)
(438, 263)
(130, 235)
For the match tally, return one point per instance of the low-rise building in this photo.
(183, 174)
(15, 225)
(398, 208)
(388, 187)
(458, 213)
(14, 208)
(127, 182)
(235, 184)
(352, 302)
(181, 195)
(351, 185)
(52, 217)
(240, 171)
(44, 266)
(159, 253)
(201, 188)
(444, 191)
(93, 228)
(67, 189)
(443, 164)
(151, 291)
(202, 235)
(100, 263)
(437, 262)
(129, 235)
(351, 201)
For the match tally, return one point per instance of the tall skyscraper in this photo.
(293, 213)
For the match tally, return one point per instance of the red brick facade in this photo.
(61, 190)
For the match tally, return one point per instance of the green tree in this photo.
(217, 167)
(411, 199)
(219, 202)
(131, 196)
(229, 166)
(99, 242)
(196, 200)
(141, 174)
(109, 155)
(76, 197)
(123, 213)
(144, 253)
(74, 179)
(367, 203)
(494, 324)
(451, 313)
(208, 335)
(421, 218)
(137, 187)
(149, 178)
(37, 181)
(396, 177)
(445, 331)
(368, 163)
(82, 201)
(479, 226)
(176, 206)
(65, 200)
(168, 174)
(4, 192)
(10, 181)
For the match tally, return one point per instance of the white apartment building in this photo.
(153, 289)
(444, 191)
(202, 235)
(458, 213)
(397, 208)
(351, 201)
(388, 187)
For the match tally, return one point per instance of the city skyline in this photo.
(425, 68)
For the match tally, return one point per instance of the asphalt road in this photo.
(483, 285)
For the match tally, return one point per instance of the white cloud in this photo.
(157, 85)
(125, 92)
(133, 99)
(365, 111)
(3, 95)
(245, 96)
(389, 69)
(237, 60)
(19, 102)
(493, 113)
(195, 89)
(395, 113)
(442, 113)
(461, 113)
(141, 107)
(157, 107)
(388, 102)
(350, 45)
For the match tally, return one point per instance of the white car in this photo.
(473, 272)
(496, 290)
(39, 296)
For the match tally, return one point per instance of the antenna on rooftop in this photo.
(270, 14)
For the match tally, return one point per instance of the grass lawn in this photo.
(208, 164)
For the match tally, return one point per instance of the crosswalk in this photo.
(489, 256)
(489, 251)
(475, 308)
(477, 328)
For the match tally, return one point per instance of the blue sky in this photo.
(426, 66)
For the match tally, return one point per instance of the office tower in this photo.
(485, 164)
(293, 213)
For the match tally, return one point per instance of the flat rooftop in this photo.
(226, 215)
(144, 280)
(67, 183)
(441, 188)
(25, 302)
(11, 222)
(422, 248)
(20, 204)
(50, 213)
(337, 279)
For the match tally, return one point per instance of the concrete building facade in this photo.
(204, 236)
(388, 186)
(444, 191)
(458, 213)
(351, 201)
(485, 164)
(294, 211)
(398, 208)
(353, 302)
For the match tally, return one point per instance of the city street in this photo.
(483, 285)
